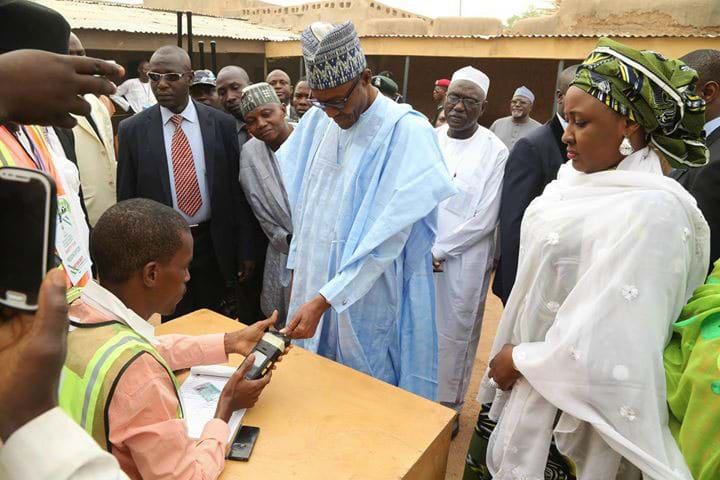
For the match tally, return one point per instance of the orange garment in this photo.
(147, 438)
(12, 154)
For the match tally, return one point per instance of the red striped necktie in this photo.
(187, 189)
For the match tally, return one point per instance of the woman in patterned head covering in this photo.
(609, 253)
(654, 95)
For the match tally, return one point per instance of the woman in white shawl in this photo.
(609, 254)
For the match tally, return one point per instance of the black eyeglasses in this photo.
(337, 105)
(170, 77)
(453, 100)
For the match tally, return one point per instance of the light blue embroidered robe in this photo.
(364, 215)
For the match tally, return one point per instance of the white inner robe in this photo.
(465, 241)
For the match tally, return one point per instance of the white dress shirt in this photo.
(711, 126)
(191, 127)
(138, 94)
(52, 446)
(563, 122)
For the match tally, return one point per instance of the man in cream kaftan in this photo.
(466, 234)
(465, 241)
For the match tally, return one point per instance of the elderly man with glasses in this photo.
(185, 155)
(364, 176)
(463, 251)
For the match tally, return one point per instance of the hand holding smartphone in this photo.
(29, 204)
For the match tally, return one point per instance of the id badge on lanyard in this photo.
(75, 258)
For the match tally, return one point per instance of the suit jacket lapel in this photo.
(155, 145)
(207, 129)
(85, 125)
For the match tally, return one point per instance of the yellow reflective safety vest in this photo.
(98, 354)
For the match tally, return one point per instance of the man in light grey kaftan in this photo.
(518, 124)
(266, 121)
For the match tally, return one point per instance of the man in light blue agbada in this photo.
(364, 176)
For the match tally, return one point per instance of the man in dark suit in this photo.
(704, 182)
(185, 154)
(532, 164)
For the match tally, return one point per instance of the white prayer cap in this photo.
(472, 75)
(524, 92)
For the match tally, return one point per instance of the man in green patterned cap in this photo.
(266, 120)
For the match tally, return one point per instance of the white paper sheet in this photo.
(199, 395)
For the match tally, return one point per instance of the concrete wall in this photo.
(294, 17)
(665, 17)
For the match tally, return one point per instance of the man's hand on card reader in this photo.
(239, 392)
(243, 341)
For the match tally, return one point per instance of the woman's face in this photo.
(594, 132)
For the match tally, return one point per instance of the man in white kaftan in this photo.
(463, 251)
(364, 176)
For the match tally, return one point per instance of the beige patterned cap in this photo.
(257, 95)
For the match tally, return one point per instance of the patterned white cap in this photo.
(332, 53)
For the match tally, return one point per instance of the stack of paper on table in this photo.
(199, 396)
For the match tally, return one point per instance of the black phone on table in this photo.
(243, 444)
(27, 244)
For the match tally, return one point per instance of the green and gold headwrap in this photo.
(655, 92)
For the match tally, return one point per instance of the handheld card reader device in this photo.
(267, 351)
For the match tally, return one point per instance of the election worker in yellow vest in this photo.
(118, 380)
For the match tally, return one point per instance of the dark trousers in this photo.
(248, 296)
(207, 285)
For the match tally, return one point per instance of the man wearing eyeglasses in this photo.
(364, 176)
(462, 255)
(518, 124)
(185, 155)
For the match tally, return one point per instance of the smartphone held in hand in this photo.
(27, 220)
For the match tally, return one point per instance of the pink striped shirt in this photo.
(147, 439)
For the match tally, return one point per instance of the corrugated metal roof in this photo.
(557, 35)
(114, 17)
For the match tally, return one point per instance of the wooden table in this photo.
(322, 420)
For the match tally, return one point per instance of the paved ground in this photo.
(468, 416)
